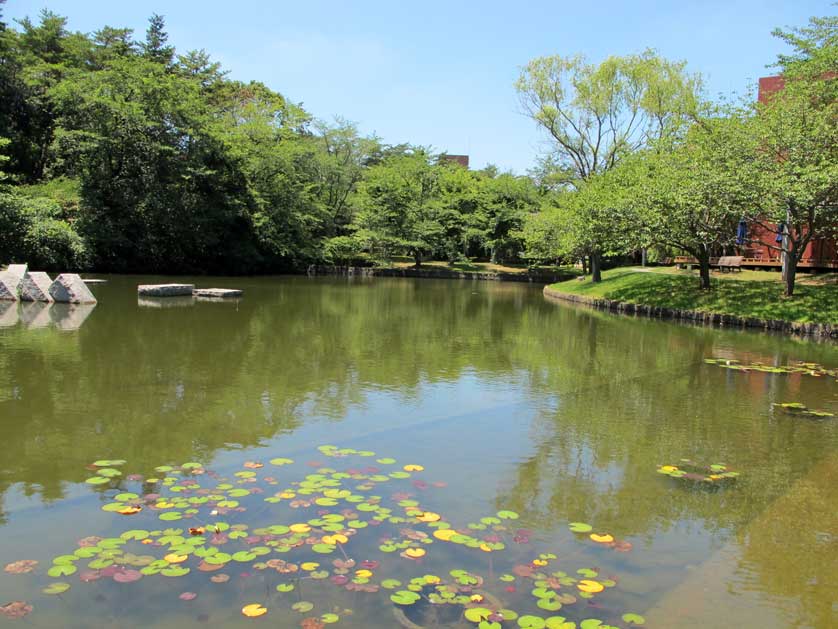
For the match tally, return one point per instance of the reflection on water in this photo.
(39, 314)
(559, 413)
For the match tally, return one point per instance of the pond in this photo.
(417, 453)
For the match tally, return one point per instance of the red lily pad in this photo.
(21, 566)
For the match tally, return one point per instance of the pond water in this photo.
(514, 417)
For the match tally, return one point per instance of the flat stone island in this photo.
(218, 292)
(165, 290)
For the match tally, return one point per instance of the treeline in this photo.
(123, 155)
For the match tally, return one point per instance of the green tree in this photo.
(795, 133)
(396, 209)
(595, 115)
(692, 195)
(155, 47)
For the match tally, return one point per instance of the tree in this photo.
(797, 170)
(692, 195)
(155, 48)
(796, 137)
(395, 205)
(597, 115)
(340, 157)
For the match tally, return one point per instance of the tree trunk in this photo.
(584, 265)
(417, 259)
(596, 273)
(790, 273)
(704, 267)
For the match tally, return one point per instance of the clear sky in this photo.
(441, 73)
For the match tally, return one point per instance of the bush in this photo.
(32, 232)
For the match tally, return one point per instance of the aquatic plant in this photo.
(190, 522)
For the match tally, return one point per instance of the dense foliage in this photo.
(124, 155)
(168, 165)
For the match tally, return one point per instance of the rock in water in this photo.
(10, 280)
(69, 288)
(35, 287)
(165, 290)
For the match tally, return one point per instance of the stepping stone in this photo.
(221, 293)
(35, 314)
(68, 288)
(165, 290)
(8, 314)
(70, 316)
(35, 287)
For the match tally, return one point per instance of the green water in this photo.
(558, 413)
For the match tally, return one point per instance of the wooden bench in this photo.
(729, 263)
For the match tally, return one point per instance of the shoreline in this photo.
(437, 273)
(827, 331)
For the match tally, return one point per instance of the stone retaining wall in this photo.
(436, 273)
(820, 330)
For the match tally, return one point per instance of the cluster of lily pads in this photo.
(192, 524)
(797, 408)
(809, 369)
(713, 475)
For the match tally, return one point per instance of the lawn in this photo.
(756, 294)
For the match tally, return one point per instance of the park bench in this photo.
(729, 263)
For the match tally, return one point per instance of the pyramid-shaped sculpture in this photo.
(35, 287)
(69, 288)
(10, 280)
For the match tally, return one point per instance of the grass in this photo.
(757, 294)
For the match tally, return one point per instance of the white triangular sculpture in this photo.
(35, 287)
(69, 288)
(10, 280)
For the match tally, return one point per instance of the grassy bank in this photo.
(754, 294)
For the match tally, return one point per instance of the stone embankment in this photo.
(438, 273)
(820, 330)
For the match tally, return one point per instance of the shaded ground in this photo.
(747, 294)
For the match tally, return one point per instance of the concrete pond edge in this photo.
(817, 330)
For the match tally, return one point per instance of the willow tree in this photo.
(595, 115)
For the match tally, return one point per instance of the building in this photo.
(462, 160)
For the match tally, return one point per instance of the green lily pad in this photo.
(302, 607)
(531, 622)
(97, 480)
(634, 619)
(404, 597)
(329, 618)
(507, 515)
(580, 527)
(61, 570)
(285, 587)
(56, 588)
(477, 614)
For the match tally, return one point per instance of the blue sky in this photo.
(441, 73)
